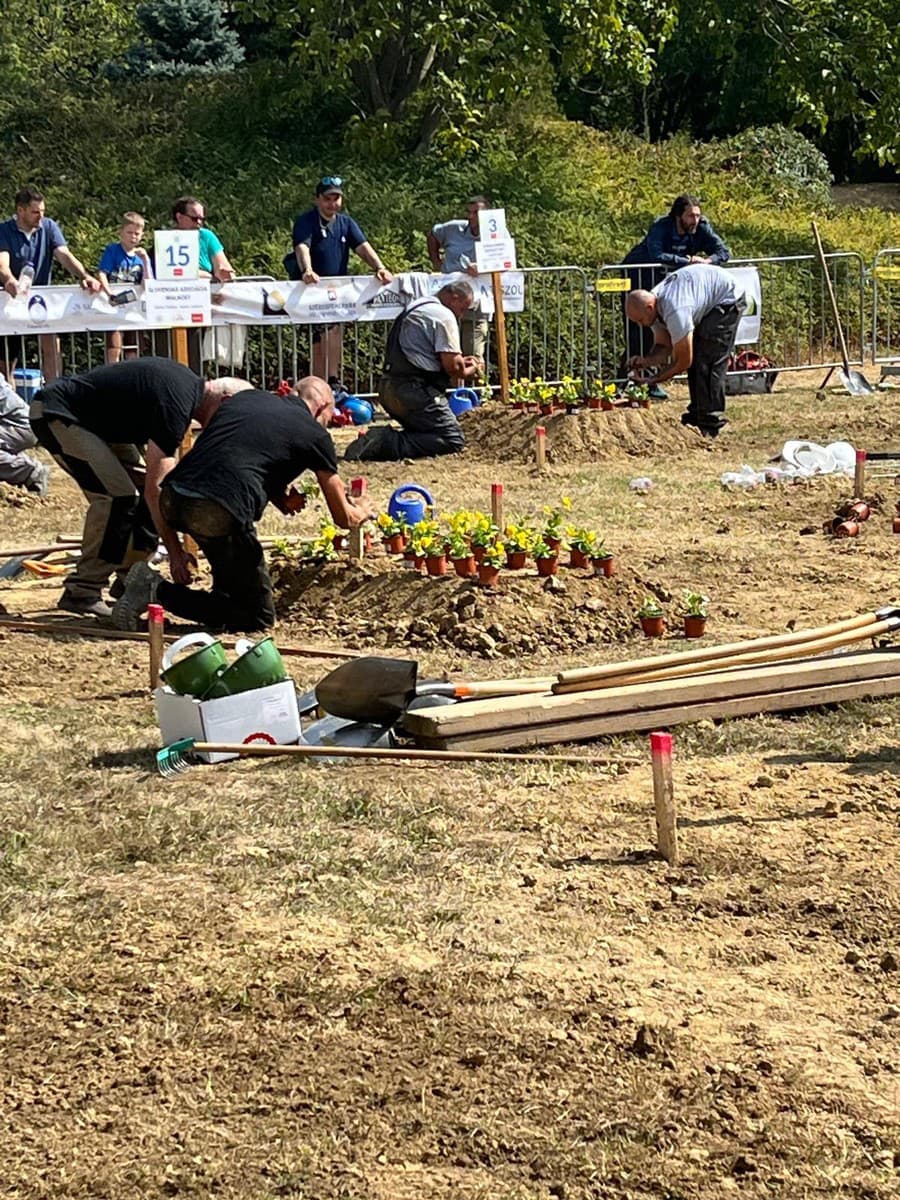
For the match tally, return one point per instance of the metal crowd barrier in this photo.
(797, 331)
(886, 307)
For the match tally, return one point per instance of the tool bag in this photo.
(758, 379)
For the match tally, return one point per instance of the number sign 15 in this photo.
(177, 253)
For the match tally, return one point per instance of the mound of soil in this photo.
(385, 603)
(498, 434)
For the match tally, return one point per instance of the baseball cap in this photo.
(330, 183)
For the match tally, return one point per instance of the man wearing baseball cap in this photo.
(323, 239)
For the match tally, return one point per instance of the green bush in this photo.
(781, 160)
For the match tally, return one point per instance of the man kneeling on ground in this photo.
(423, 360)
(252, 449)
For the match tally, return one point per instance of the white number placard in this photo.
(177, 253)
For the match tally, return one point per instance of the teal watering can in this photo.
(409, 503)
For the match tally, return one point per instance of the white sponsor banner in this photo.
(256, 302)
(176, 302)
(748, 328)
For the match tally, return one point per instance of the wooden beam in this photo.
(588, 728)
(521, 712)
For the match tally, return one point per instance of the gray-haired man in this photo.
(423, 356)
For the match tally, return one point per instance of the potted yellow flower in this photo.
(517, 540)
(492, 560)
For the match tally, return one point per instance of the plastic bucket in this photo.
(361, 411)
(193, 674)
(459, 404)
(258, 666)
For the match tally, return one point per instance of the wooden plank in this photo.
(707, 653)
(588, 728)
(517, 711)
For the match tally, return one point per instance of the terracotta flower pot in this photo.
(547, 566)
(606, 404)
(846, 529)
(395, 544)
(545, 410)
(419, 562)
(858, 510)
(519, 405)
(339, 541)
(595, 402)
(465, 567)
(606, 565)
(478, 553)
(577, 558)
(896, 525)
(694, 627)
(436, 564)
(487, 574)
(653, 626)
(553, 543)
(516, 559)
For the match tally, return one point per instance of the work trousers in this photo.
(429, 427)
(713, 344)
(240, 600)
(15, 466)
(118, 528)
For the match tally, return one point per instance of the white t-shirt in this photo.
(685, 297)
(430, 329)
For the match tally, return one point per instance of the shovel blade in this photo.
(373, 690)
(856, 383)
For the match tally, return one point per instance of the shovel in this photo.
(854, 381)
(379, 690)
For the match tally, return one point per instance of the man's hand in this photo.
(472, 269)
(90, 284)
(697, 258)
(182, 566)
(11, 286)
(636, 360)
(383, 275)
(309, 276)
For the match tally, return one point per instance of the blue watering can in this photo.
(361, 411)
(404, 506)
(463, 399)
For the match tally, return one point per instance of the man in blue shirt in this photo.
(32, 239)
(323, 239)
(682, 238)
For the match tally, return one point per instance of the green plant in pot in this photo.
(602, 560)
(545, 557)
(518, 540)
(652, 617)
(553, 522)
(492, 559)
(569, 393)
(582, 543)
(695, 613)
(461, 555)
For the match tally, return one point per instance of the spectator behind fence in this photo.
(323, 239)
(16, 436)
(682, 238)
(32, 240)
(127, 264)
(190, 213)
(451, 248)
(694, 317)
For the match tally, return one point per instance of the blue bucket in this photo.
(361, 411)
(28, 382)
(466, 393)
(458, 404)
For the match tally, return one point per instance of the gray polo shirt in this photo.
(457, 241)
(430, 329)
(684, 298)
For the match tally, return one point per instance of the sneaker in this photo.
(84, 606)
(40, 480)
(657, 393)
(140, 590)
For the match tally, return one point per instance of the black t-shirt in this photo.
(140, 400)
(251, 450)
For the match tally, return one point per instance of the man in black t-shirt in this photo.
(252, 449)
(116, 430)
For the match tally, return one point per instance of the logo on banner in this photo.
(37, 310)
(384, 299)
(332, 294)
(273, 303)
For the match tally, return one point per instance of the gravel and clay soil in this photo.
(394, 982)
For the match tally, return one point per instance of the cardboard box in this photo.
(267, 714)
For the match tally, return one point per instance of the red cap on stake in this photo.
(155, 613)
(660, 743)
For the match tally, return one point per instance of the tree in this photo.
(435, 66)
(181, 37)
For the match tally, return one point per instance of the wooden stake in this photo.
(540, 447)
(180, 348)
(663, 797)
(859, 475)
(358, 487)
(155, 616)
(497, 504)
(356, 546)
(500, 335)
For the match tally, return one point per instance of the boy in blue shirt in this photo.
(124, 262)
(323, 239)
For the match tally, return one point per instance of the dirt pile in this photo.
(384, 603)
(498, 434)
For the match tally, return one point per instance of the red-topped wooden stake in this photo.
(663, 796)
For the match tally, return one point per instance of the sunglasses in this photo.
(196, 220)
(331, 181)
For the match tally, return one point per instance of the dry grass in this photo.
(273, 980)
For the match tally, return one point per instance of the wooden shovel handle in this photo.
(395, 753)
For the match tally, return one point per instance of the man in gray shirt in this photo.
(694, 315)
(451, 248)
(423, 355)
(16, 436)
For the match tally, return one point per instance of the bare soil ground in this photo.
(268, 980)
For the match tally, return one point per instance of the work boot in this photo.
(657, 393)
(39, 480)
(84, 606)
(140, 590)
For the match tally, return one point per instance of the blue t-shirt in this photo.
(329, 242)
(37, 249)
(119, 266)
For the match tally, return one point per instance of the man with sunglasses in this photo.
(190, 213)
(323, 239)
